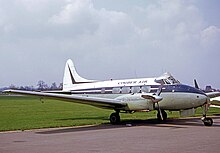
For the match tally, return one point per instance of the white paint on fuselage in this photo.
(171, 100)
(113, 83)
(181, 100)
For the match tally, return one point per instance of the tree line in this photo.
(41, 85)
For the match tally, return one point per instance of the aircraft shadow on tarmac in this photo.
(169, 123)
(81, 118)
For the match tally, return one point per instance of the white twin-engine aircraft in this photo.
(130, 95)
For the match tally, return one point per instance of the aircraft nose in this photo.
(202, 99)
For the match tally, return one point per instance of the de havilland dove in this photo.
(130, 95)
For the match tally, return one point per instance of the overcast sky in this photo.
(109, 39)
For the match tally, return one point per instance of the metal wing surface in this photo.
(214, 98)
(94, 101)
(213, 94)
(215, 101)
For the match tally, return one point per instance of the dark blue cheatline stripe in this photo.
(166, 88)
(89, 89)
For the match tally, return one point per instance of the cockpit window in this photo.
(173, 80)
(169, 79)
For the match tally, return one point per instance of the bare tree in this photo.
(42, 85)
(53, 86)
(12, 87)
(60, 86)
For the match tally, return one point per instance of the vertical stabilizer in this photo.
(71, 76)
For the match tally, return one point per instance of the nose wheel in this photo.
(206, 120)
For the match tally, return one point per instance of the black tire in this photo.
(164, 114)
(114, 118)
(208, 122)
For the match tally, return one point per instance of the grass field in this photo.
(22, 113)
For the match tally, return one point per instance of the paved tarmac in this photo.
(176, 135)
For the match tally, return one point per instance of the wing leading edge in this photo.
(214, 98)
(213, 94)
(94, 101)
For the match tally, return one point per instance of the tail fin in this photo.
(71, 76)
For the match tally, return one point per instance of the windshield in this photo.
(171, 80)
(167, 78)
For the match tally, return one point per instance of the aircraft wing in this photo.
(213, 94)
(215, 101)
(94, 101)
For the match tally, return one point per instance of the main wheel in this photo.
(164, 114)
(114, 118)
(208, 121)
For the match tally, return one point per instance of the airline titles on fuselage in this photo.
(132, 82)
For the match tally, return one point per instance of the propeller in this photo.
(156, 98)
(158, 94)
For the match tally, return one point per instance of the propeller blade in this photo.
(159, 90)
(196, 84)
(158, 94)
(161, 116)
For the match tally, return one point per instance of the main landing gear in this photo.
(206, 120)
(161, 115)
(115, 118)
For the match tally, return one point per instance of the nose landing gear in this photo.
(206, 120)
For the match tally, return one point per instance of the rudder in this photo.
(71, 76)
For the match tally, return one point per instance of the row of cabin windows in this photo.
(126, 90)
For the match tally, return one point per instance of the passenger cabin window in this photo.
(116, 90)
(145, 89)
(135, 89)
(103, 90)
(125, 90)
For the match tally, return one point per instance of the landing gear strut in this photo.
(115, 118)
(164, 115)
(206, 120)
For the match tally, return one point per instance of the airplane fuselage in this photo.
(175, 96)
